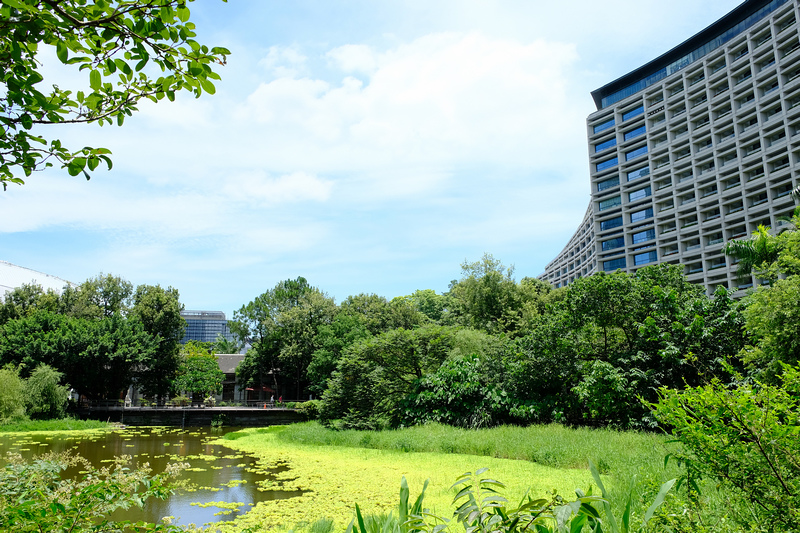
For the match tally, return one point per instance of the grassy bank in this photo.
(343, 468)
(65, 424)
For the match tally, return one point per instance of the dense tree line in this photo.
(102, 336)
(491, 349)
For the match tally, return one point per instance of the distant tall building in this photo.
(205, 326)
(695, 148)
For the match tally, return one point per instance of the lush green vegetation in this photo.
(63, 424)
(343, 472)
(452, 376)
(35, 497)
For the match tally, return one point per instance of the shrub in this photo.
(35, 497)
(45, 399)
(745, 438)
(310, 409)
(12, 407)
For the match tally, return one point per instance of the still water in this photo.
(220, 476)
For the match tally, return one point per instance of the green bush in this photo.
(746, 439)
(12, 407)
(45, 398)
(35, 498)
(309, 410)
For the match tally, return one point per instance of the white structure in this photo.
(697, 147)
(13, 276)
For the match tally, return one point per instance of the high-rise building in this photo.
(695, 148)
(205, 326)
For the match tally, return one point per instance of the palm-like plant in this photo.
(755, 254)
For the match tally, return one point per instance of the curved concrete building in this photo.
(697, 147)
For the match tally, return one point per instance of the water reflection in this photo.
(218, 473)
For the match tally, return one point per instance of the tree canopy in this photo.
(129, 50)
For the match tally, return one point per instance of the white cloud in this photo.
(259, 188)
(354, 58)
(283, 61)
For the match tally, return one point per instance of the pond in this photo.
(226, 483)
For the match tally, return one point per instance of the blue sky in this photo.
(368, 146)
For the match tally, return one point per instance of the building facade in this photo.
(697, 147)
(205, 326)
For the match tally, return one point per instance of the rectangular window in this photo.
(643, 236)
(607, 184)
(614, 264)
(638, 173)
(609, 203)
(639, 194)
(633, 113)
(619, 242)
(641, 130)
(605, 145)
(643, 259)
(608, 163)
(644, 214)
(635, 153)
(604, 126)
(611, 223)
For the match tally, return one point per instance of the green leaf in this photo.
(207, 86)
(662, 493)
(62, 52)
(95, 80)
(183, 13)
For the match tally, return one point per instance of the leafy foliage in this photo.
(35, 498)
(45, 397)
(99, 358)
(12, 399)
(745, 437)
(200, 374)
(118, 44)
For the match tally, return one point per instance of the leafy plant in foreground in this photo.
(745, 438)
(35, 498)
(481, 508)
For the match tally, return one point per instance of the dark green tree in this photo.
(23, 300)
(159, 312)
(375, 374)
(257, 324)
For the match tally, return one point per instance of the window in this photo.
(614, 264)
(619, 242)
(643, 259)
(644, 214)
(604, 126)
(611, 223)
(607, 184)
(643, 236)
(605, 145)
(635, 132)
(633, 113)
(609, 203)
(635, 153)
(608, 163)
(638, 173)
(639, 194)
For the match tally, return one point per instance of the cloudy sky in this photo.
(369, 146)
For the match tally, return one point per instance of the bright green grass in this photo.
(345, 468)
(65, 424)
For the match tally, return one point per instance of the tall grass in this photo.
(615, 452)
(64, 424)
